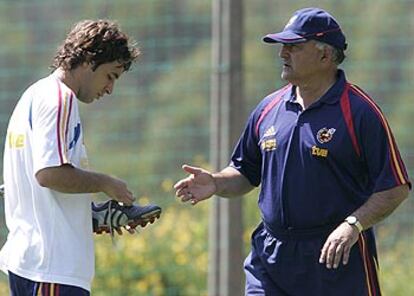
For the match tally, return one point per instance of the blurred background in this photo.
(159, 118)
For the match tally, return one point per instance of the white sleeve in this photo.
(51, 113)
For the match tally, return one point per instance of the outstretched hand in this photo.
(198, 186)
(338, 245)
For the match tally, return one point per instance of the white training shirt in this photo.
(50, 233)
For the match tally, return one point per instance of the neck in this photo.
(310, 91)
(68, 78)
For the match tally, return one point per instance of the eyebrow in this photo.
(115, 74)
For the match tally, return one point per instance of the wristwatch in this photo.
(352, 220)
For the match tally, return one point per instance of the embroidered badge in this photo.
(269, 145)
(324, 135)
(319, 152)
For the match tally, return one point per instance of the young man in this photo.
(49, 248)
(328, 166)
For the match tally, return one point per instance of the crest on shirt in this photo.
(268, 142)
(324, 135)
(269, 145)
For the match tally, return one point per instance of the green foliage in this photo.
(167, 258)
(396, 260)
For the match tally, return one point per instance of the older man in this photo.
(328, 167)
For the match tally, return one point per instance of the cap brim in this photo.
(283, 37)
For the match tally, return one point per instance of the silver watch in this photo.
(352, 220)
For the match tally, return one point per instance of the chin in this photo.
(86, 100)
(284, 76)
(287, 77)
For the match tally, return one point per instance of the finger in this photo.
(129, 198)
(194, 201)
(330, 255)
(187, 196)
(181, 192)
(338, 254)
(181, 184)
(345, 256)
(324, 249)
(119, 231)
(127, 201)
(133, 198)
(191, 169)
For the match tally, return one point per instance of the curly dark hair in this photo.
(97, 42)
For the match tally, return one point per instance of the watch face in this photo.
(351, 220)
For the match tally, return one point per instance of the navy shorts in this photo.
(290, 267)
(20, 286)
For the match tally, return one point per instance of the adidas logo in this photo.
(270, 132)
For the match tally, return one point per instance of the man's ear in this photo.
(86, 65)
(326, 54)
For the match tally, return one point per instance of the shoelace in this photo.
(111, 231)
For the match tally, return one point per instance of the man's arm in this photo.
(375, 209)
(201, 184)
(68, 179)
(231, 183)
(381, 205)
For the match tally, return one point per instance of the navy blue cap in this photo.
(310, 23)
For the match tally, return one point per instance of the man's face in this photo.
(301, 61)
(95, 84)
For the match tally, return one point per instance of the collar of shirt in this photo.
(332, 96)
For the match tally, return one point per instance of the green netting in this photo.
(158, 117)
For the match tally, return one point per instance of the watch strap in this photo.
(352, 220)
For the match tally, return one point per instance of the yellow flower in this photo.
(167, 185)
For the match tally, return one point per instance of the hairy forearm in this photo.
(380, 205)
(231, 183)
(68, 179)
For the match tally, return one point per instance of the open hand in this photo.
(338, 245)
(200, 185)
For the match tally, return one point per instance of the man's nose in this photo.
(109, 88)
(283, 52)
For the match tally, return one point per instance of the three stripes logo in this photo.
(269, 142)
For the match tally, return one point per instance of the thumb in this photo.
(192, 170)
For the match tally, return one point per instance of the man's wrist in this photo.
(217, 180)
(353, 221)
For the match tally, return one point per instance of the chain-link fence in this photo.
(158, 117)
